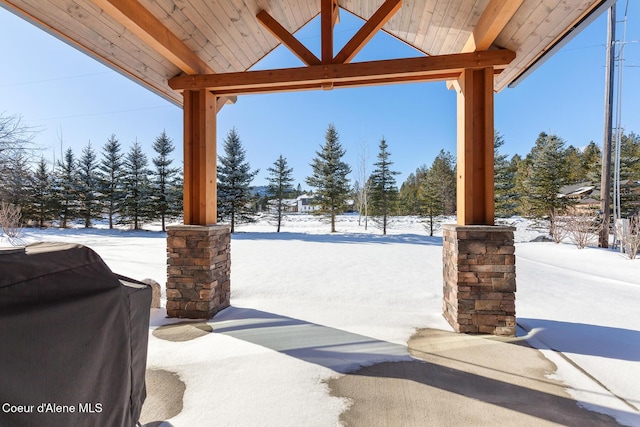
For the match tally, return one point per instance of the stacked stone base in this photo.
(198, 270)
(479, 279)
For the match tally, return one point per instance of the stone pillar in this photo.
(198, 270)
(479, 279)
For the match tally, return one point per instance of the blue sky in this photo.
(72, 99)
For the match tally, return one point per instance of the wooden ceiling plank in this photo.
(287, 39)
(143, 64)
(367, 31)
(216, 47)
(182, 23)
(147, 27)
(361, 72)
(491, 23)
(447, 18)
(424, 23)
(234, 49)
(414, 12)
(531, 48)
(243, 21)
(326, 30)
(459, 26)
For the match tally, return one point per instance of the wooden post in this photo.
(475, 147)
(199, 157)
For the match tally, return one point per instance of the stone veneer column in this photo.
(479, 279)
(198, 270)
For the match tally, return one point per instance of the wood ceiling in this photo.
(153, 41)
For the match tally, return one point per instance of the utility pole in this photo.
(605, 179)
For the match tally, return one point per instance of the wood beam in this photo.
(200, 193)
(287, 39)
(326, 29)
(495, 17)
(367, 31)
(475, 185)
(137, 19)
(361, 73)
(336, 13)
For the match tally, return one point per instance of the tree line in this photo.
(121, 188)
(528, 186)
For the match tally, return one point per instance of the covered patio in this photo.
(199, 55)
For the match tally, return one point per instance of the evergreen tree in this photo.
(521, 182)
(444, 171)
(409, 195)
(629, 157)
(592, 163)
(280, 185)
(17, 175)
(111, 178)
(165, 200)
(41, 194)
(137, 188)
(547, 174)
(575, 172)
(234, 179)
(383, 189)
(504, 181)
(431, 200)
(88, 185)
(329, 177)
(629, 174)
(66, 188)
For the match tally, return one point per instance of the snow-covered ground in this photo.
(363, 295)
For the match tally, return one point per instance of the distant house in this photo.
(288, 205)
(583, 197)
(586, 196)
(305, 204)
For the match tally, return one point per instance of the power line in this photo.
(32, 82)
(101, 113)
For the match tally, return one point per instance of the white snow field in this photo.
(354, 298)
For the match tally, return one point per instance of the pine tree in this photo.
(111, 178)
(444, 178)
(521, 180)
(629, 174)
(504, 181)
(629, 157)
(592, 163)
(409, 194)
(547, 174)
(88, 185)
(280, 185)
(234, 179)
(432, 203)
(41, 194)
(329, 177)
(66, 188)
(384, 190)
(165, 200)
(14, 180)
(137, 188)
(575, 173)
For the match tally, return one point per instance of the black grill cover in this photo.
(73, 339)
